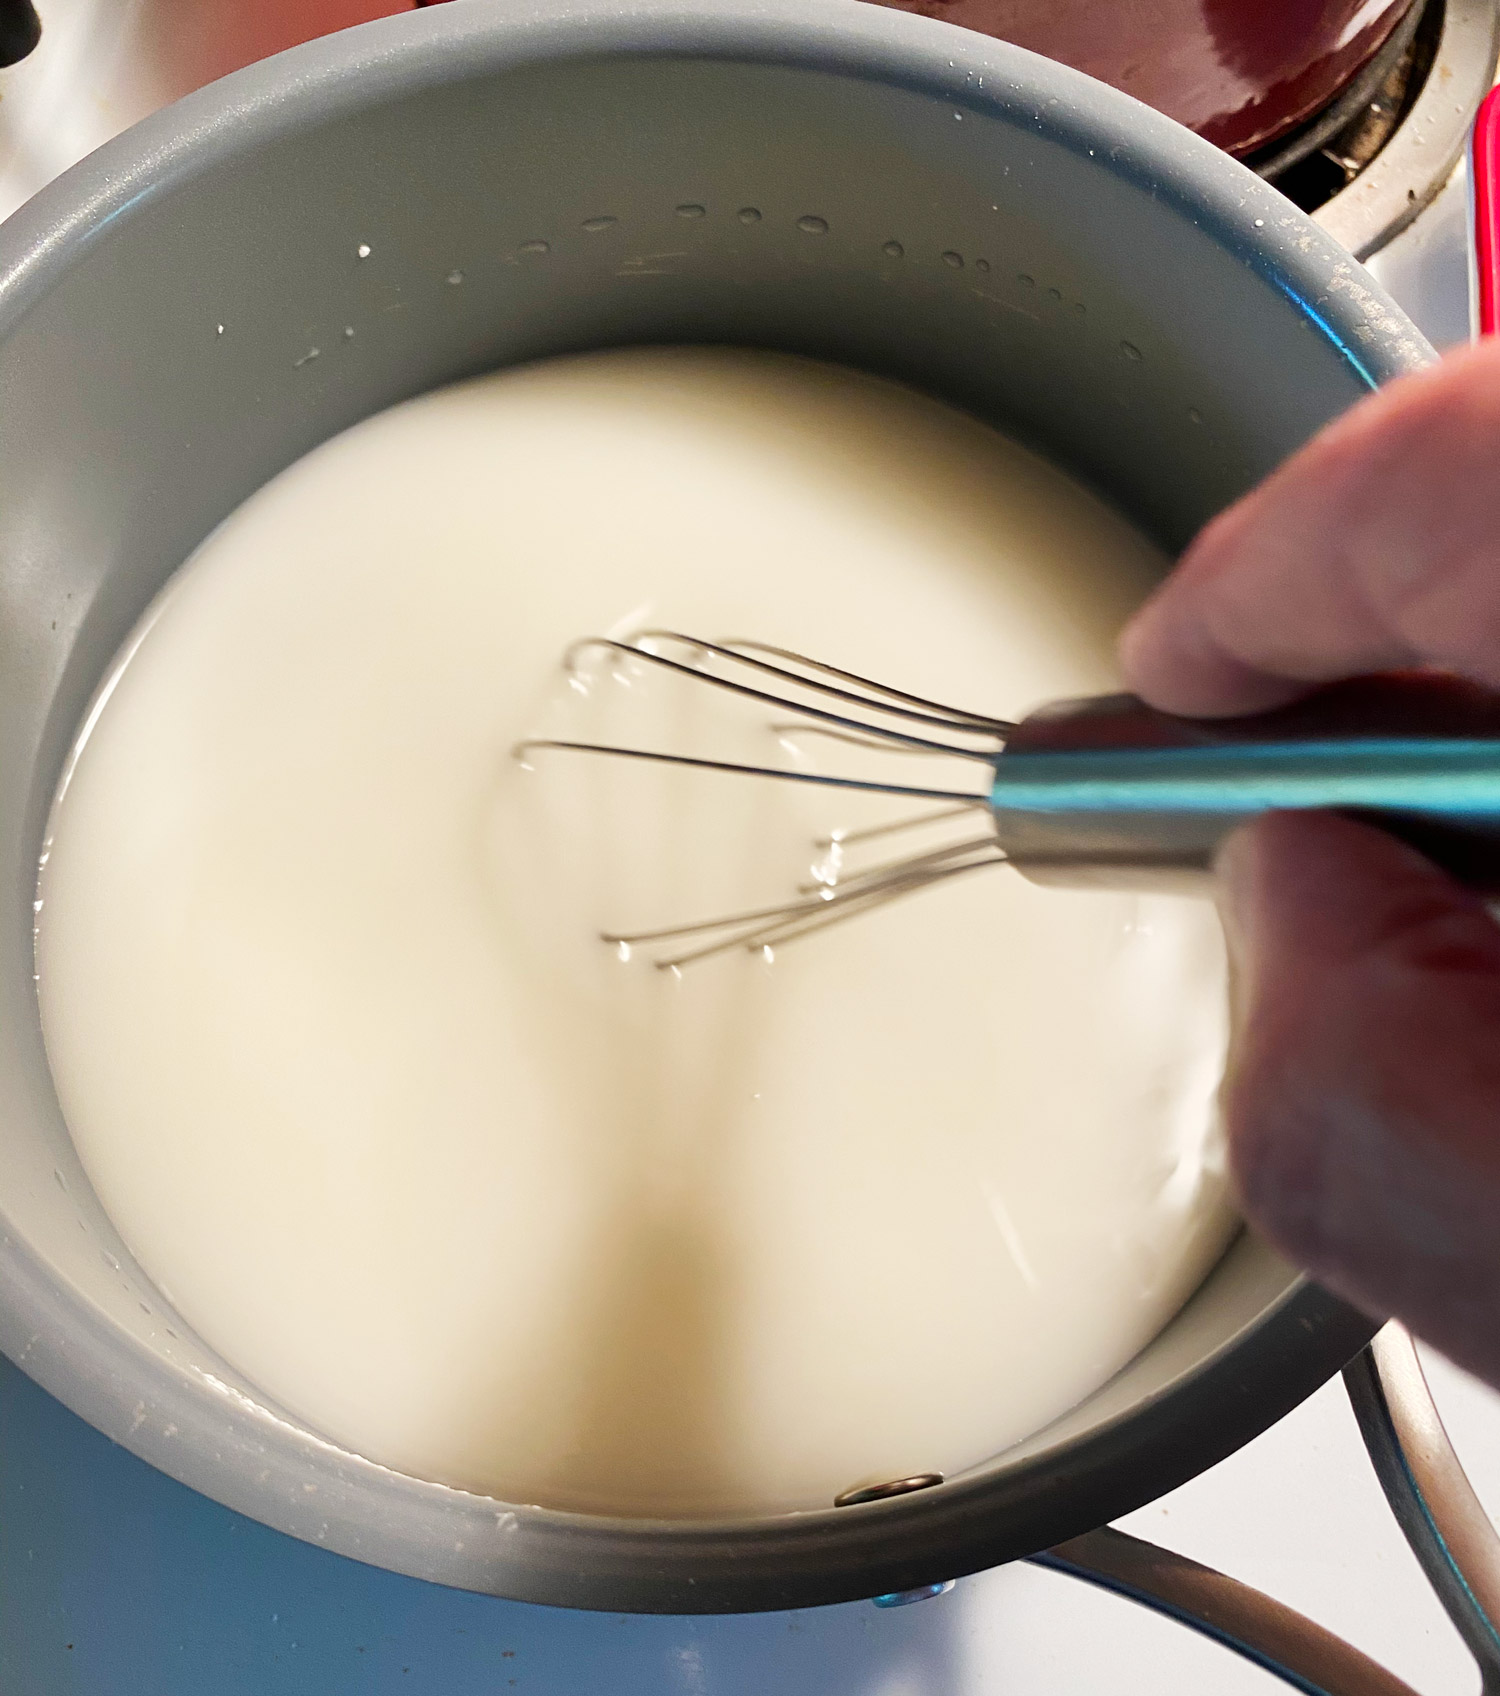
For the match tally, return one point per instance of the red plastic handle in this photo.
(1484, 178)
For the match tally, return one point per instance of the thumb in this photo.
(1362, 1098)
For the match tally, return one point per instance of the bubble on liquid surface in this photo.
(538, 246)
(1194, 416)
(219, 330)
(1026, 282)
(1130, 350)
(981, 264)
(1054, 294)
(455, 278)
(812, 225)
(348, 332)
(749, 214)
(363, 250)
(954, 260)
(602, 222)
(691, 209)
(894, 250)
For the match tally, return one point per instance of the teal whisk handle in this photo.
(1108, 791)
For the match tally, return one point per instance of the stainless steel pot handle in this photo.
(1434, 1504)
(20, 30)
(1430, 1495)
(1272, 1635)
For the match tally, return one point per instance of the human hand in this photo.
(1362, 1096)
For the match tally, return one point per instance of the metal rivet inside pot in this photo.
(881, 1492)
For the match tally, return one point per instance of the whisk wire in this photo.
(819, 916)
(916, 821)
(850, 738)
(822, 779)
(824, 902)
(813, 913)
(767, 926)
(945, 714)
(822, 714)
(935, 857)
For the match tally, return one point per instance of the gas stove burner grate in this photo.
(1325, 154)
(1367, 165)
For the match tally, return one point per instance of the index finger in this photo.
(1376, 546)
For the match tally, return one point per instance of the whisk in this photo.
(1101, 791)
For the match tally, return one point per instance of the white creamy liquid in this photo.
(468, 1194)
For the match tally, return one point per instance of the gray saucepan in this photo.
(831, 178)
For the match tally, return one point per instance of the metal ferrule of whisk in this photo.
(1103, 791)
(1109, 791)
